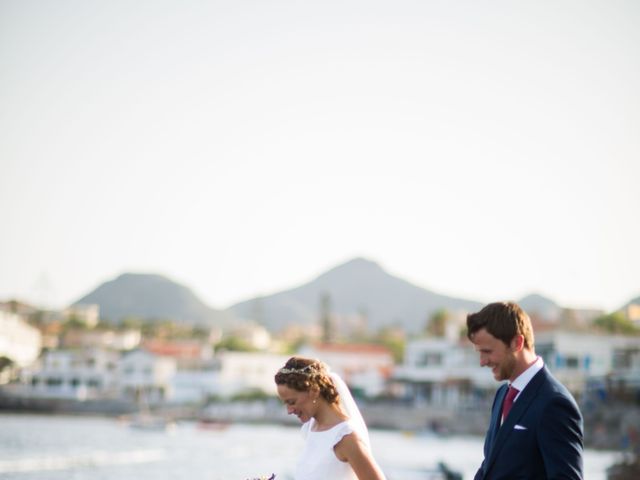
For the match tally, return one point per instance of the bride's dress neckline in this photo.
(314, 426)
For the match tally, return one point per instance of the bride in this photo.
(336, 437)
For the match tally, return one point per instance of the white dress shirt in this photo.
(525, 377)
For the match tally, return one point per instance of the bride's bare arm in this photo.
(351, 449)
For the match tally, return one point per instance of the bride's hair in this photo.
(304, 374)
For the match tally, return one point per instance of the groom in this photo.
(535, 430)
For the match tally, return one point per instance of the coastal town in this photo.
(70, 361)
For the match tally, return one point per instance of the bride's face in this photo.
(300, 404)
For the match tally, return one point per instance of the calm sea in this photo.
(34, 447)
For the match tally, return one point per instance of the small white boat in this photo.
(151, 422)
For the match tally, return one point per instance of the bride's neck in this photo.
(328, 416)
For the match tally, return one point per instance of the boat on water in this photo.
(146, 421)
(213, 424)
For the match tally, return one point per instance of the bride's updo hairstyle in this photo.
(303, 374)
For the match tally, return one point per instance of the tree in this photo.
(616, 323)
(74, 323)
(235, 344)
(437, 324)
(391, 339)
(326, 320)
(132, 323)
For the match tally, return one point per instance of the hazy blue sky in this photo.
(483, 149)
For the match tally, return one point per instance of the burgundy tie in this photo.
(508, 401)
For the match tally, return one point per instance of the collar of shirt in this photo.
(525, 377)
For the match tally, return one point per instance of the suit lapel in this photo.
(520, 406)
(496, 414)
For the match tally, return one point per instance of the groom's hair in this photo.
(304, 374)
(503, 320)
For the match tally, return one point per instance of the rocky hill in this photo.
(357, 287)
(151, 296)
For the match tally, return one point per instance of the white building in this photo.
(88, 314)
(195, 385)
(196, 369)
(19, 341)
(252, 334)
(146, 377)
(72, 374)
(443, 372)
(95, 373)
(364, 367)
(576, 357)
(241, 372)
(226, 375)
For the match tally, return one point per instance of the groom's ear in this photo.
(517, 343)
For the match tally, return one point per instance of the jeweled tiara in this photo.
(302, 371)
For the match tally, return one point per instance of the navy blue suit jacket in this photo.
(540, 439)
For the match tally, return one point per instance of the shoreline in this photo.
(425, 420)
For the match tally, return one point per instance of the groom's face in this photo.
(495, 355)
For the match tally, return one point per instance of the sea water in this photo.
(52, 447)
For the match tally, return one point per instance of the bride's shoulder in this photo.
(344, 429)
(347, 442)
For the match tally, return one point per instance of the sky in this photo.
(479, 149)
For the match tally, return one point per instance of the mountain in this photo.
(150, 296)
(542, 306)
(356, 287)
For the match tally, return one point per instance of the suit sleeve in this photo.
(560, 439)
(480, 473)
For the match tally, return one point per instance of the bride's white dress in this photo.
(318, 461)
